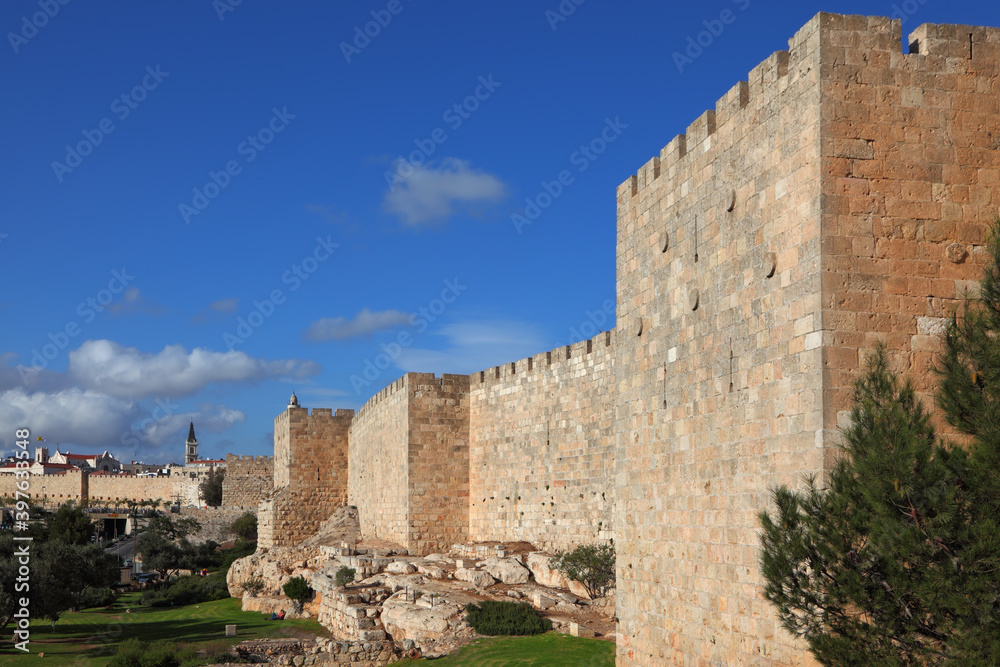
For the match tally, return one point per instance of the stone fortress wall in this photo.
(542, 448)
(837, 198)
(108, 488)
(377, 474)
(249, 479)
(49, 490)
(409, 462)
(310, 474)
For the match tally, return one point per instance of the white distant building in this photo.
(104, 462)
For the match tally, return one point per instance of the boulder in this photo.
(432, 571)
(549, 577)
(419, 623)
(477, 578)
(268, 605)
(506, 570)
(538, 563)
(400, 567)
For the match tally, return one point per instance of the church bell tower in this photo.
(191, 450)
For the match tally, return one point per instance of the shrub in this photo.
(96, 597)
(254, 585)
(135, 653)
(245, 527)
(506, 618)
(593, 565)
(345, 575)
(188, 590)
(297, 590)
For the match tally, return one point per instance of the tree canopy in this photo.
(896, 559)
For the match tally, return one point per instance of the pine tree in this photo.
(896, 561)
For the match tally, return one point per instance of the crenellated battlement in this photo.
(247, 458)
(553, 360)
(931, 46)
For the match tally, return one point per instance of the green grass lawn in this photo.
(88, 638)
(551, 649)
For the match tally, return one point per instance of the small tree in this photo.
(211, 489)
(245, 527)
(345, 575)
(897, 560)
(71, 525)
(298, 591)
(593, 565)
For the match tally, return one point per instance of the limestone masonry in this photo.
(838, 197)
(248, 480)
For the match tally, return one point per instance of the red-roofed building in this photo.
(92, 462)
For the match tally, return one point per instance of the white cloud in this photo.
(429, 193)
(113, 369)
(83, 417)
(158, 430)
(474, 346)
(364, 323)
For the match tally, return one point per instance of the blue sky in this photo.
(207, 205)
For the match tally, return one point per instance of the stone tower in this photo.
(836, 199)
(191, 446)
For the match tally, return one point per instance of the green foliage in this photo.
(506, 618)
(164, 546)
(211, 489)
(96, 597)
(158, 553)
(345, 575)
(245, 527)
(136, 653)
(187, 590)
(254, 585)
(170, 528)
(593, 565)
(71, 525)
(61, 574)
(241, 549)
(297, 589)
(897, 560)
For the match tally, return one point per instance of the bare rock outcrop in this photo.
(507, 570)
(477, 578)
